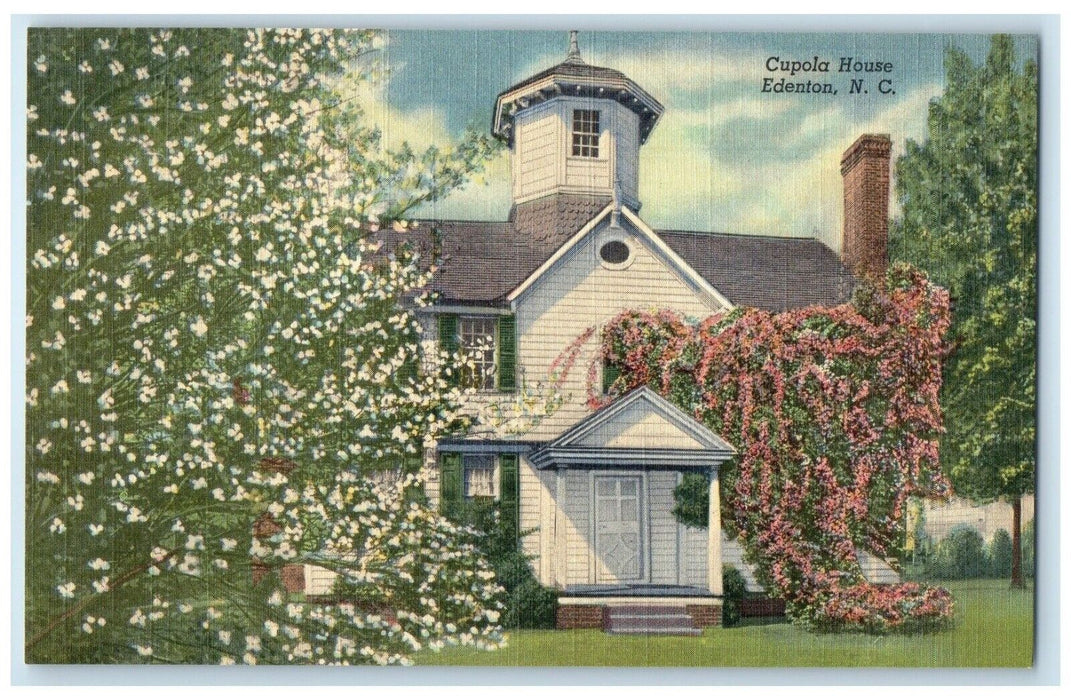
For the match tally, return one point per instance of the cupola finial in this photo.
(574, 48)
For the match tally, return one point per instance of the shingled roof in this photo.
(574, 77)
(767, 272)
(572, 69)
(483, 261)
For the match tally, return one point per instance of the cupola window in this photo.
(586, 133)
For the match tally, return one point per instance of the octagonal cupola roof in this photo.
(575, 77)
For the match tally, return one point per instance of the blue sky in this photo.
(724, 157)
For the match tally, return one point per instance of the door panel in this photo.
(618, 540)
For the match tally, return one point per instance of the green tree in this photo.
(968, 197)
(219, 369)
(999, 554)
(961, 554)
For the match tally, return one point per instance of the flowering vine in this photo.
(835, 416)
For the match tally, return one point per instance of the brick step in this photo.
(655, 622)
(678, 631)
(650, 619)
(683, 618)
(647, 610)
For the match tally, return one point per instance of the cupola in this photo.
(575, 129)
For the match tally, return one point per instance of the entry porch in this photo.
(611, 543)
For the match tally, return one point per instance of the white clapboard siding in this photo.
(663, 537)
(940, 518)
(638, 426)
(576, 507)
(542, 156)
(531, 498)
(547, 537)
(693, 558)
(432, 488)
(875, 569)
(580, 293)
(732, 554)
(539, 142)
(588, 172)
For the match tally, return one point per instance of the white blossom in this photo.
(199, 327)
(243, 212)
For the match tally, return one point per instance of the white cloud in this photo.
(684, 184)
(775, 172)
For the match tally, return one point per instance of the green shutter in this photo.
(448, 341)
(509, 490)
(507, 353)
(610, 373)
(449, 481)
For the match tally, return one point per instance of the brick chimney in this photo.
(865, 169)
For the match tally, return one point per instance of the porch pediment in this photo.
(640, 429)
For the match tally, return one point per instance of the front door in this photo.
(618, 541)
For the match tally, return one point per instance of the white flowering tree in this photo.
(219, 368)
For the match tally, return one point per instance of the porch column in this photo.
(714, 536)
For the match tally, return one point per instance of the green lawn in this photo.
(994, 627)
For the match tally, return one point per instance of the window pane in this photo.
(586, 133)
(479, 476)
(476, 341)
(607, 512)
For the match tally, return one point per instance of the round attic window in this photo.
(615, 253)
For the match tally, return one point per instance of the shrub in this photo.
(961, 554)
(999, 555)
(734, 588)
(528, 604)
(903, 607)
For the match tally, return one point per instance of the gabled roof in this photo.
(657, 246)
(482, 262)
(640, 427)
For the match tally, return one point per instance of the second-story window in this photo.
(476, 341)
(586, 133)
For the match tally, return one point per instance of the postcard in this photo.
(540, 348)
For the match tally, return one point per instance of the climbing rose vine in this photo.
(835, 416)
(221, 376)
